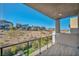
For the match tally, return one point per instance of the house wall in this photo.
(74, 25)
(69, 44)
(71, 40)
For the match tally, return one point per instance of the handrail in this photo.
(34, 39)
(20, 43)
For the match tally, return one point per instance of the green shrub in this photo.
(13, 49)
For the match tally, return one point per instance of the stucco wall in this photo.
(68, 39)
(69, 42)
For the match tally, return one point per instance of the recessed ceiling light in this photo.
(60, 14)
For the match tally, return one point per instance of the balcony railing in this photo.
(25, 48)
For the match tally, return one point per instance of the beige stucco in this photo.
(74, 22)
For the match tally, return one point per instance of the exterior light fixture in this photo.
(60, 14)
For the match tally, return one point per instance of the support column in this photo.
(57, 31)
(57, 26)
(78, 23)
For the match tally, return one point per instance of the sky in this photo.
(64, 23)
(23, 14)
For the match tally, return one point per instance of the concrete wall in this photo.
(69, 44)
(68, 39)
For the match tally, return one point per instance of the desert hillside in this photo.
(12, 37)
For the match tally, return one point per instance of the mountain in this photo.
(5, 24)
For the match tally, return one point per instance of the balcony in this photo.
(58, 44)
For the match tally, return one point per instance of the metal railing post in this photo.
(28, 48)
(47, 42)
(40, 46)
(1, 51)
